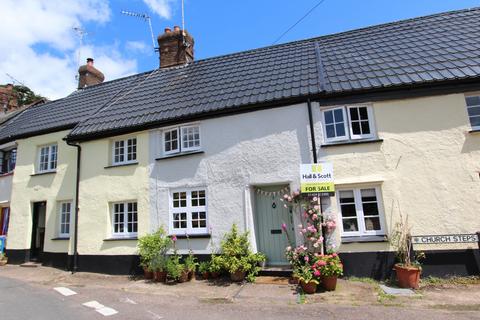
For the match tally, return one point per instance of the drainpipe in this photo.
(77, 187)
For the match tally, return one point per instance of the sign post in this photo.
(317, 178)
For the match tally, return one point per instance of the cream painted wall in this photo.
(427, 166)
(100, 186)
(52, 188)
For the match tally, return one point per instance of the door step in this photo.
(31, 264)
(280, 271)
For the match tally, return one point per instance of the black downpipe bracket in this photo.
(77, 191)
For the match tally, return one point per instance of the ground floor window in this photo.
(360, 211)
(125, 219)
(65, 215)
(188, 211)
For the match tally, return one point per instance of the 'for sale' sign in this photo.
(316, 178)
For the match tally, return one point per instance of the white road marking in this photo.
(94, 305)
(106, 311)
(64, 291)
(100, 308)
(154, 315)
(127, 300)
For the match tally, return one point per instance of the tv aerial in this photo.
(145, 17)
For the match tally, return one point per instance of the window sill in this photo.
(121, 239)
(181, 154)
(6, 174)
(121, 165)
(60, 238)
(192, 236)
(350, 142)
(358, 239)
(43, 173)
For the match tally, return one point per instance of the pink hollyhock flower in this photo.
(289, 248)
(289, 198)
(285, 196)
(303, 231)
(284, 227)
(306, 259)
(316, 207)
(174, 238)
(314, 217)
(296, 193)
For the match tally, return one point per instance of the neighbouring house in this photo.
(199, 145)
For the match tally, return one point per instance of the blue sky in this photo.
(44, 43)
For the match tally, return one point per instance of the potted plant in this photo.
(159, 268)
(307, 279)
(150, 246)
(3, 259)
(237, 258)
(175, 269)
(191, 265)
(204, 269)
(330, 268)
(215, 266)
(408, 268)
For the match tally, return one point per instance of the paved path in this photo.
(22, 300)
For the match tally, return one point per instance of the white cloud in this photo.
(138, 46)
(161, 7)
(30, 24)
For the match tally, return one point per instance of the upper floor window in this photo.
(47, 158)
(360, 212)
(181, 139)
(348, 123)
(124, 219)
(124, 151)
(8, 160)
(188, 211)
(65, 214)
(473, 109)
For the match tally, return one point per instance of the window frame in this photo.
(125, 233)
(180, 139)
(61, 222)
(349, 135)
(189, 210)
(50, 160)
(6, 164)
(125, 152)
(477, 94)
(362, 232)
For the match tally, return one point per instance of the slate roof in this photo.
(426, 50)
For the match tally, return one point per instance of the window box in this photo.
(188, 212)
(124, 151)
(348, 123)
(360, 212)
(181, 140)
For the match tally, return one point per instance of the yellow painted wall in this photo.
(28, 188)
(101, 186)
(428, 167)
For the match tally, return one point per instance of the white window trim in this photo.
(349, 136)
(371, 123)
(467, 106)
(173, 151)
(49, 169)
(125, 151)
(125, 234)
(359, 210)
(189, 230)
(180, 148)
(60, 205)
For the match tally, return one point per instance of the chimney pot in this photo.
(167, 30)
(176, 28)
(89, 75)
(176, 48)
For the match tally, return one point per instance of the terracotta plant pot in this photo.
(214, 275)
(329, 283)
(205, 275)
(184, 277)
(147, 274)
(160, 276)
(3, 262)
(237, 276)
(191, 275)
(308, 288)
(407, 277)
(293, 280)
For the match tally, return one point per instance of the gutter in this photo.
(77, 192)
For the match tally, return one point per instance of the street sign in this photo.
(317, 178)
(446, 238)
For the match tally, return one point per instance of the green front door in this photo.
(270, 214)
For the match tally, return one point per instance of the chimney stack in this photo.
(89, 75)
(176, 47)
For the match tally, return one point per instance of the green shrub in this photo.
(152, 245)
(174, 267)
(191, 262)
(204, 266)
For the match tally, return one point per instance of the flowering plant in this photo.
(329, 265)
(305, 274)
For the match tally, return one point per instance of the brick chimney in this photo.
(89, 75)
(8, 99)
(176, 47)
